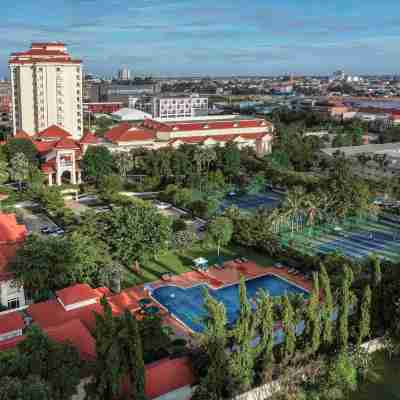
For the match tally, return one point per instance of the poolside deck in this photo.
(231, 273)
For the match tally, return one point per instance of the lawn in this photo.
(177, 263)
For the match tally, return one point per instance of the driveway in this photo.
(35, 221)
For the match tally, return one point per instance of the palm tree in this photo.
(294, 204)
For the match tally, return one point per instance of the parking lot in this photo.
(35, 221)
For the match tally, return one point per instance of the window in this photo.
(13, 303)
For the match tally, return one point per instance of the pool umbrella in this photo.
(152, 310)
(144, 302)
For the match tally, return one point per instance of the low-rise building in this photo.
(256, 133)
(102, 108)
(12, 236)
(371, 160)
(59, 153)
(173, 107)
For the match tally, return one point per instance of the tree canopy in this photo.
(97, 162)
(47, 264)
(40, 369)
(25, 146)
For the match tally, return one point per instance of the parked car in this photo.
(46, 230)
(57, 232)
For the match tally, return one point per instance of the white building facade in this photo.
(173, 107)
(46, 89)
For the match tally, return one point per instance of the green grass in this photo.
(177, 263)
(383, 382)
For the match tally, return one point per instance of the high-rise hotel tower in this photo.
(46, 89)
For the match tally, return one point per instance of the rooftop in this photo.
(387, 148)
(76, 294)
(11, 322)
(10, 230)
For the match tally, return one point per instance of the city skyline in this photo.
(182, 37)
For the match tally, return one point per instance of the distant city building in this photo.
(122, 92)
(102, 108)
(124, 74)
(339, 75)
(5, 102)
(46, 89)
(173, 107)
(91, 91)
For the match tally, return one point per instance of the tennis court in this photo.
(251, 202)
(354, 239)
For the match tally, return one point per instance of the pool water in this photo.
(188, 304)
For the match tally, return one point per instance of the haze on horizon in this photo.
(204, 37)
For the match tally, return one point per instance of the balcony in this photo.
(64, 163)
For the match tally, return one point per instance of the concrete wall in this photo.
(8, 292)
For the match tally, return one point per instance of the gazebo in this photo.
(201, 263)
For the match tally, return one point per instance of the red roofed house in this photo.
(60, 154)
(11, 236)
(70, 318)
(11, 326)
(208, 131)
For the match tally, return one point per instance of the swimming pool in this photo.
(187, 304)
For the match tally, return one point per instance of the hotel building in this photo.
(46, 89)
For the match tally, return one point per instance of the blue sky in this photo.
(224, 37)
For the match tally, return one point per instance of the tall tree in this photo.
(219, 232)
(230, 161)
(243, 355)
(288, 326)
(25, 146)
(132, 352)
(134, 232)
(327, 307)
(19, 168)
(41, 367)
(43, 265)
(214, 340)
(265, 319)
(31, 388)
(4, 174)
(364, 328)
(97, 162)
(119, 357)
(376, 287)
(313, 318)
(345, 298)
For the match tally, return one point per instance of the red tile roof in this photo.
(167, 375)
(51, 313)
(215, 125)
(76, 294)
(89, 138)
(67, 143)
(43, 147)
(54, 132)
(7, 254)
(10, 230)
(116, 131)
(11, 236)
(10, 343)
(126, 133)
(11, 322)
(76, 334)
(49, 166)
(126, 300)
(218, 138)
(22, 135)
